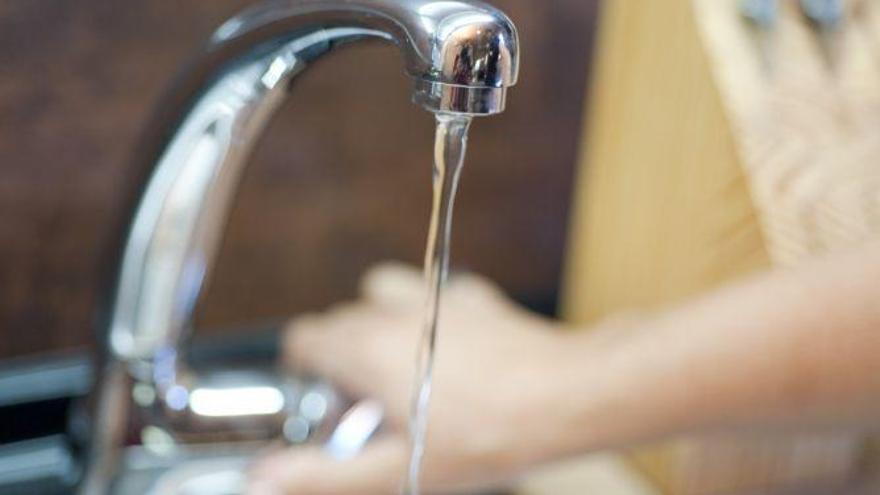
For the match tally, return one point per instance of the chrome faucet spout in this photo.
(462, 55)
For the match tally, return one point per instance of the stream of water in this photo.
(449, 150)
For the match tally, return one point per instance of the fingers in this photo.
(357, 345)
(362, 350)
(471, 287)
(394, 285)
(311, 471)
(398, 285)
(326, 345)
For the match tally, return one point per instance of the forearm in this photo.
(510, 392)
(787, 346)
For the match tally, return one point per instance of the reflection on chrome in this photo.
(239, 401)
(355, 429)
(313, 406)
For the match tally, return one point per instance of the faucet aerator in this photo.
(476, 101)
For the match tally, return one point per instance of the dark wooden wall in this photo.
(341, 180)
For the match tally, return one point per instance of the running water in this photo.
(449, 150)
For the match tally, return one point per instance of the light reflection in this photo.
(177, 397)
(276, 71)
(355, 428)
(297, 430)
(437, 9)
(143, 395)
(313, 406)
(158, 441)
(240, 401)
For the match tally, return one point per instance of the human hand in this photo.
(487, 411)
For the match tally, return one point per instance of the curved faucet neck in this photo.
(433, 35)
(463, 56)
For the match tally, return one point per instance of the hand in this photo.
(487, 410)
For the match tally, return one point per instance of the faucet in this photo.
(462, 56)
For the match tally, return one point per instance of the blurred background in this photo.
(340, 181)
(650, 152)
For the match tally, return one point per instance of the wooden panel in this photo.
(665, 209)
(340, 181)
(713, 151)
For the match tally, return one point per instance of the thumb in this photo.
(312, 471)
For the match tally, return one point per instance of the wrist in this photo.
(549, 400)
(575, 403)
